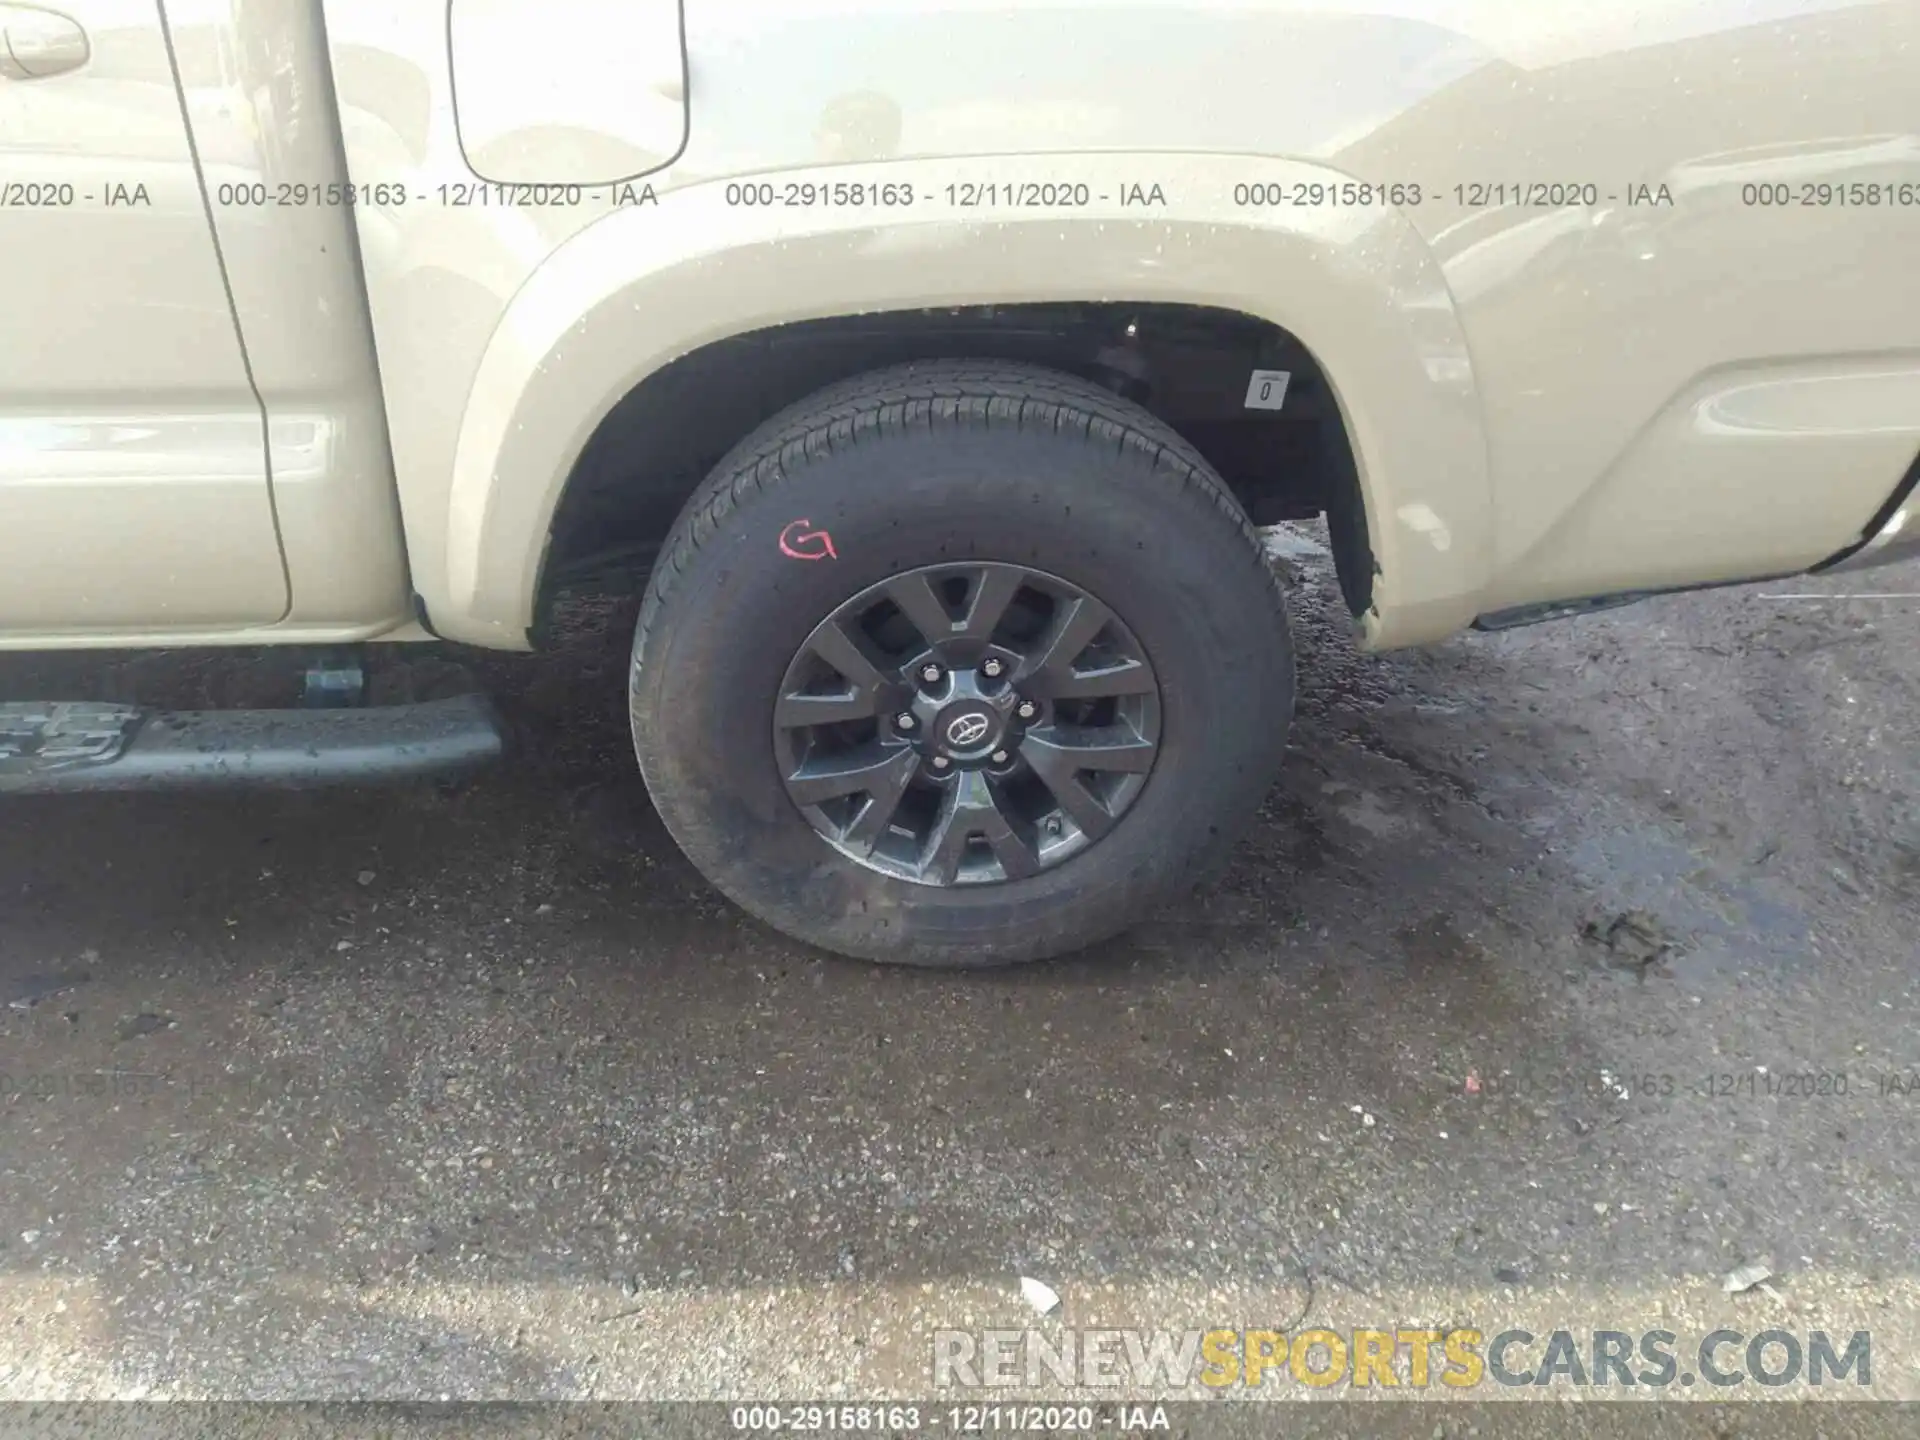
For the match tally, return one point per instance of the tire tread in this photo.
(961, 393)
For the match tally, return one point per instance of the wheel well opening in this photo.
(1190, 366)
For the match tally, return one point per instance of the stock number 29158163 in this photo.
(837, 1418)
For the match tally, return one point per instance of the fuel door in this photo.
(568, 92)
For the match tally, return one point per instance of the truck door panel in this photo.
(133, 476)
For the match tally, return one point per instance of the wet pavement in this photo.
(1567, 971)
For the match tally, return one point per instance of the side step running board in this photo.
(69, 746)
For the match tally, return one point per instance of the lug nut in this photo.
(1027, 710)
(904, 720)
(941, 762)
(931, 674)
(999, 757)
(991, 667)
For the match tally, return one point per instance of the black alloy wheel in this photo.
(966, 724)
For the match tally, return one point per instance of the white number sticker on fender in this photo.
(1267, 390)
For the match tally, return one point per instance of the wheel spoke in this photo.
(969, 808)
(844, 653)
(992, 593)
(915, 596)
(1059, 754)
(797, 710)
(1073, 629)
(883, 800)
(1016, 853)
(992, 590)
(1079, 804)
(872, 770)
(1129, 677)
(1067, 748)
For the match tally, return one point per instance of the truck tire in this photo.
(960, 664)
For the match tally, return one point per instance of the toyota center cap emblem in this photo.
(968, 730)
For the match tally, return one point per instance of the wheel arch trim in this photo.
(648, 285)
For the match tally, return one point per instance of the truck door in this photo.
(133, 477)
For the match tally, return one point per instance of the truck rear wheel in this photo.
(960, 664)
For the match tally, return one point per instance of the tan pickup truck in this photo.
(930, 363)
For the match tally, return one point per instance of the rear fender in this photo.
(651, 282)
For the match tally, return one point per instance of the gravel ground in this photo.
(481, 1093)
